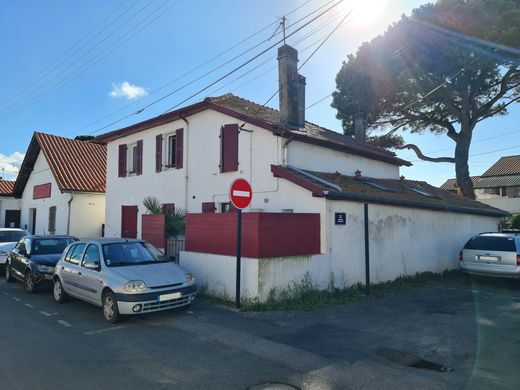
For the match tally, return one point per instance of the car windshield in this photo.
(49, 246)
(11, 235)
(131, 253)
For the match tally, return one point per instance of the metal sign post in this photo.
(240, 194)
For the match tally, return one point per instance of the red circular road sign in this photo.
(240, 193)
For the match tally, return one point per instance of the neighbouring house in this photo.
(311, 187)
(9, 205)
(61, 186)
(499, 186)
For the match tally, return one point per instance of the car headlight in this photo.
(45, 268)
(190, 277)
(135, 286)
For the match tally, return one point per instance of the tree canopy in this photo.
(444, 69)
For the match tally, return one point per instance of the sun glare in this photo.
(366, 13)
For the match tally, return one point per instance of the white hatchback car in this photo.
(124, 276)
(8, 239)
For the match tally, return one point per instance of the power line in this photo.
(98, 57)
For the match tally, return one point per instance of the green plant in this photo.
(174, 224)
(514, 222)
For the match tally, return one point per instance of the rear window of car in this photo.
(505, 244)
(11, 235)
(49, 246)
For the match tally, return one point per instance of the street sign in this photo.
(240, 193)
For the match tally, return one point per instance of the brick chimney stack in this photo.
(292, 89)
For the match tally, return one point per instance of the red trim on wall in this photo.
(264, 235)
(152, 229)
(285, 174)
(42, 191)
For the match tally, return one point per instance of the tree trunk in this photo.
(461, 166)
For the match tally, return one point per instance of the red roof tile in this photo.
(509, 165)
(75, 165)
(6, 187)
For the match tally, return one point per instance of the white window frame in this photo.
(131, 165)
(167, 160)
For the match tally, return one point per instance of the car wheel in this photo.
(28, 283)
(59, 294)
(110, 310)
(8, 277)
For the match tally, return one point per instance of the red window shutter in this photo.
(208, 207)
(179, 142)
(229, 148)
(169, 207)
(122, 161)
(139, 169)
(158, 153)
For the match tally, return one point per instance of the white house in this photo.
(61, 186)
(499, 186)
(9, 205)
(298, 171)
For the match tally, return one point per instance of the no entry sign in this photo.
(240, 193)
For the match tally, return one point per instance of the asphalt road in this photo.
(469, 325)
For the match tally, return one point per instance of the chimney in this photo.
(292, 89)
(360, 127)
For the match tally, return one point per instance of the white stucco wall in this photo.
(312, 158)
(7, 203)
(511, 205)
(403, 241)
(85, 219)
(87, 214)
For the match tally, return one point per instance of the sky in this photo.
(71, 67)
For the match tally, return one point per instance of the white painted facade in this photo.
(403, 241)
(511, 205)
(7, 203)
(200, 179)
(79, 214)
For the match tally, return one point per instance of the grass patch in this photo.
(304, 295)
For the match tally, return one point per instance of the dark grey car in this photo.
(492, 254)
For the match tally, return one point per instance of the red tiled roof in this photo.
(265, 117)
(6, 187)
(75, 165)
(508, 165)
(451, 184)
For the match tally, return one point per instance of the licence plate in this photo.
(489, 258)
(167, 297)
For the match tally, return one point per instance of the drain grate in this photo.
(409, 360)
(273, 386)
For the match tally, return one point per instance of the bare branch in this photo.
(503, 90)
(419, 154)
(500, 109)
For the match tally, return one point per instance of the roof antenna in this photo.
(282, 25)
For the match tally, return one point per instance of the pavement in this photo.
(466, 327)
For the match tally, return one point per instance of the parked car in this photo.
(493, 254)
(33, 259)
(8, 239)
(123, 276)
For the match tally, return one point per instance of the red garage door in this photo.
(129, 221)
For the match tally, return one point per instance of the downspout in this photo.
(285, 150)
(186, 178)
(68, 213)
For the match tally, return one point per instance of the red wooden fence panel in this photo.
(152, 229)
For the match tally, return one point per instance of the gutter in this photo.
(68, 213)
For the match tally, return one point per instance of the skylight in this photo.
(421, 192)
(376, 186)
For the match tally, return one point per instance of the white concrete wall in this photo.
(7, 203)
(403, 241)
(87, 214)
(86, 219)
(312, 158)
(511, 205)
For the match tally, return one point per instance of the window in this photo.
(171, 148)
(491, 191)
(74, 254)
(506, 244)
(224, 207)
(52, 220)
(91, 259)
(376, 186)
(135, 158)
(50, 246)
(420, 192)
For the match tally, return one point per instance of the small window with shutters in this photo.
(229, 148)
(135, 158)
(171, 149)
